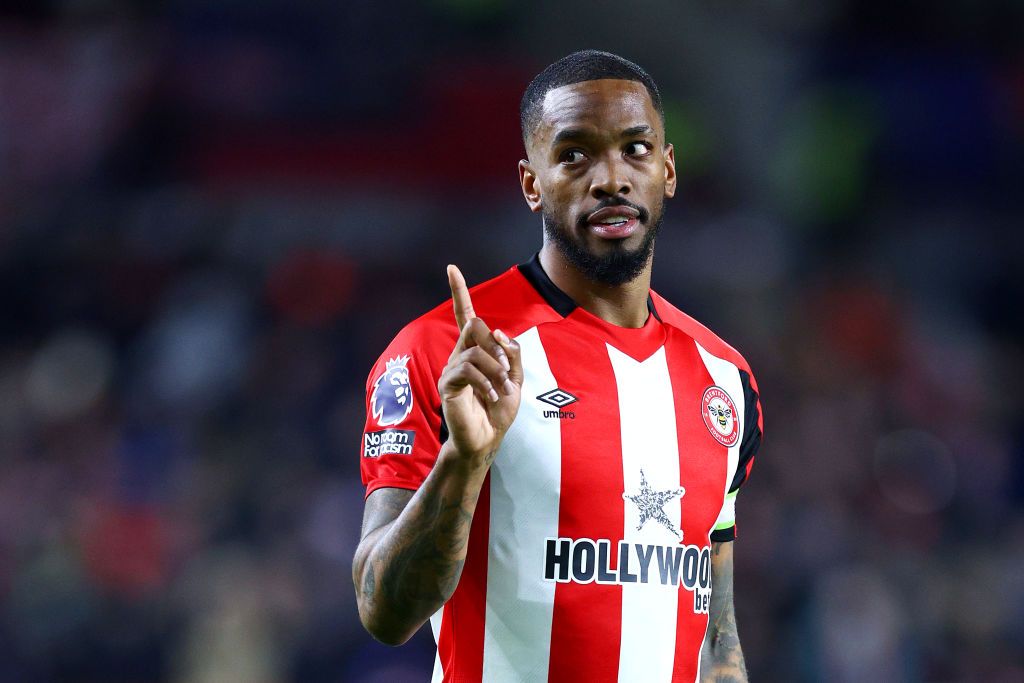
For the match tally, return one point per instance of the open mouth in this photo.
(614, 222)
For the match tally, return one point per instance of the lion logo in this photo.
(391, 401)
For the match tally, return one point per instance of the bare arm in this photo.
(410, 558)
(413, 545)
(721, 655)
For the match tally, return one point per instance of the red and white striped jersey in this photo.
(589, 554)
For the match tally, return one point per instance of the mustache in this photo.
(642, 213)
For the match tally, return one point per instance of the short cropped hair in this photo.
(584, 65)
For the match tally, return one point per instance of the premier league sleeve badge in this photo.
(391, 400)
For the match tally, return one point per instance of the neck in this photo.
(624, 305)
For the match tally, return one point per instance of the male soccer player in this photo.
(551, 472)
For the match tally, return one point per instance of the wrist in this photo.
(468, 464)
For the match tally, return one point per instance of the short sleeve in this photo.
(753, 428)
(403, 430)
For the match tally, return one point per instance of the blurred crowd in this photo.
(215, 215)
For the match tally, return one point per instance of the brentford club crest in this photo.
(719, 413)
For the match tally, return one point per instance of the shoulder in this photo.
(700, 333)
(506, 302)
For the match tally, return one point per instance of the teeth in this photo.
(617, 220)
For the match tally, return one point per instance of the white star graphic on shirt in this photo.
(652, 503)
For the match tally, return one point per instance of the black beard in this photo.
(615, 268)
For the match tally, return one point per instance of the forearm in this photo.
(721, 655)
(405, 571)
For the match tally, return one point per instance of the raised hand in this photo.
(414, 545)
(481, 385)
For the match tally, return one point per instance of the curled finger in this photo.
(467, 374)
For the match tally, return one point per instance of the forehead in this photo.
(607, 103)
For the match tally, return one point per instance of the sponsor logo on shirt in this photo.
(391, 400)
(719, 413)
(586, 560)
(652, 503)
(388, 442)
(558, 398)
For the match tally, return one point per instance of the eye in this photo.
(571, 156)
(638, 149)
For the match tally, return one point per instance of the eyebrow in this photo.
(569, 134)
(637, 130)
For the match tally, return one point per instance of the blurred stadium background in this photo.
(214, 215)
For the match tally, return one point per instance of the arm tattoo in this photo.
(369, 583)
(423, 558)
(722, 654)
(412, 553)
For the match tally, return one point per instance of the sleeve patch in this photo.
(391, 400)
(388, 442)
(399, 442)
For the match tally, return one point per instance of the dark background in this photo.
(214, 215)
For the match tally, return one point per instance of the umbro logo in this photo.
(559, 398)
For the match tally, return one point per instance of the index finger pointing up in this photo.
(461, 302)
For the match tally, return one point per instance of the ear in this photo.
(670, 171)
(530, 185)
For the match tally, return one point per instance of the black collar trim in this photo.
(556, 298)
(652, 309)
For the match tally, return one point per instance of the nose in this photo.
(610, 178)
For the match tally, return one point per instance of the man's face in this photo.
(599, 172)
